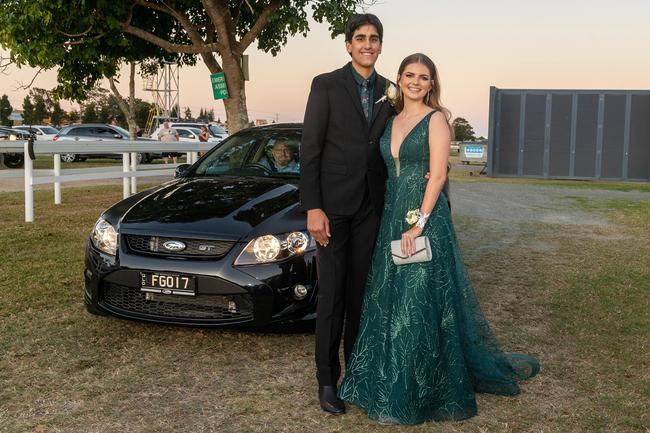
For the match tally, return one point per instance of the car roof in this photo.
(34, 126)
(90, 124)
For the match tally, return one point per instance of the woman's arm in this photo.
(439, 144)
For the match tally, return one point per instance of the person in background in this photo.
(168, 133)
(204, 136)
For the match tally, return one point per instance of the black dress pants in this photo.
(343, 267)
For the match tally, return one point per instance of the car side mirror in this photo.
(118, 136)
(181, 170)
(39, 133)
(191, 136)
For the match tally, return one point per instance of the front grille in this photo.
(197, 248)
(213, 307)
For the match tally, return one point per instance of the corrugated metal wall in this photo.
(571, 134)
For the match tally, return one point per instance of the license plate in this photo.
(168, 284)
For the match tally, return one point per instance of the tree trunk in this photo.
(235, 105)
(127, 109)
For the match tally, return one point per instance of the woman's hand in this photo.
(408, 240)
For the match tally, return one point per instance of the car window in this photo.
(183, 133)
(50, 131)
(251, 153)
(217, 130)
(81, 131)
(104, 132)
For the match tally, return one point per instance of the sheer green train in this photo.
(424, 347)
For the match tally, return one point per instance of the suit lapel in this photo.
(351, 86)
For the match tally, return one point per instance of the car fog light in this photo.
(266, 248)
(232, 307)
(300, 292)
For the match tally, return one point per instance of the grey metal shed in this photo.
(570, 134)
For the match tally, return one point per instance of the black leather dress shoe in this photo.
(329, 402)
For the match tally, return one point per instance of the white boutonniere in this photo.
(390, 94)
(413, 216)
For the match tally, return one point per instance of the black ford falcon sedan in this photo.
(222, 244)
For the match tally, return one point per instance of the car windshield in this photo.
(216, 130)
(254, 153)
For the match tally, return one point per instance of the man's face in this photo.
(282, 153)
(365, 46)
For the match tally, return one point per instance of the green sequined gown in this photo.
(424, 347)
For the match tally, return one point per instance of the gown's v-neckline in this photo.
(399, 149)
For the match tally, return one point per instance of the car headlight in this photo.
(275, 248)
(104, 237)
(13, 137)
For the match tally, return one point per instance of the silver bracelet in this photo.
(422, 221)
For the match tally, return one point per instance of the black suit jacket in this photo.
(339, 154)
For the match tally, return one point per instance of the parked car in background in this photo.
(190, 134)
(223, 244)
(13, 160)
(216, 131)
(98, 132)
(40, 132)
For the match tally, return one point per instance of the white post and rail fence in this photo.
(130, 169)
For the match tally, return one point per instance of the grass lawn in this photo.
(576, 297)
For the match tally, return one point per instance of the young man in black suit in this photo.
(342, 185)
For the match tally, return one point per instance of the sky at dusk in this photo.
(559, 44)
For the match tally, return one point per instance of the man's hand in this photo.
(319, 226)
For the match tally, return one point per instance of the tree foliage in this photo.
(87, 40)
(463, 131)
(5, 110)
(28, 112)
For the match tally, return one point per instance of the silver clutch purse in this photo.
(422, 251)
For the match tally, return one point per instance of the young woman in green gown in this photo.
(424, 346)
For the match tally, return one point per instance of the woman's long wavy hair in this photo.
(433, 97)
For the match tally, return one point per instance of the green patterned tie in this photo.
(365, 97)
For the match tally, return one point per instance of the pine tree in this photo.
(28, 111)
(5, 110)
(58, 115)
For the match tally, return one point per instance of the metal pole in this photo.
(134, 168)
(57, 184)
(125, 181)
(29, 189)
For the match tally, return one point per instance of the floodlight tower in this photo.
(165, 86)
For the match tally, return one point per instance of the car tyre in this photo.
(69, 157)
(14, 160)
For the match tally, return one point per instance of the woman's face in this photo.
(415, 81)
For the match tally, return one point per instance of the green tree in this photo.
(5, 110)
(463, 131)
(88, 40)
(28, 111)
(142, 109)
(188, 113)
(90, 113)
(73, 116)
(40, 109)
(57, 116)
